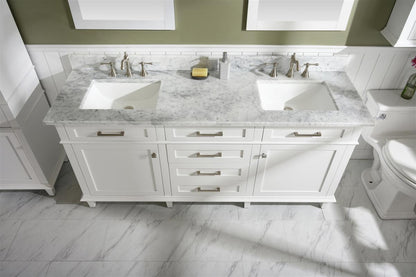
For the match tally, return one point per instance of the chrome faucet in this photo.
(112, 70)
(126, 57)
(125, 61)
(143, 72)
(293, 62)
(274, 70)
(128, 69)
(305, 73)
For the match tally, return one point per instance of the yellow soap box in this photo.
(199, 73)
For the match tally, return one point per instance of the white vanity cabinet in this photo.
(303, 163)
(297, 170)
(198, 170)
(114, 162)
(121, 169)
(208, 164)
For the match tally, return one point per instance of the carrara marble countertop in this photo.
(211, 102)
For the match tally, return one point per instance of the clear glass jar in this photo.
(409, 89)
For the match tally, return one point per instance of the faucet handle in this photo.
(125, 59)
(305, 73)
(273, 73)
(128, 69)
(143, 72)
(112, 70)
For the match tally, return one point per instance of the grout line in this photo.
(358, 69)
(13, 240)
(381, 85)
(48, 267)
(364, 93)
(51, 75)
(402, 72)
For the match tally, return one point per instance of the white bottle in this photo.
(224, 67)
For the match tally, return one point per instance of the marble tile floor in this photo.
(58, 236)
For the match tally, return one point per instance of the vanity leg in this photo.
(92, 204)
(50, 192)
(169, 204)
(246, 205)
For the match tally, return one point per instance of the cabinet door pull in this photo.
(316, 134)
(115, 134)
(154, 156)
(217, 134)
(215, 173)
(216, 155)
(217, 189)
(263, 155)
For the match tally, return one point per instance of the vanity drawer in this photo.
(111, 132)
(208, 180)
(203, 153)
(209, 134)
(305, 134)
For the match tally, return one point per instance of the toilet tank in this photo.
(394, 115)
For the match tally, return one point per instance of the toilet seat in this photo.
(400, 156)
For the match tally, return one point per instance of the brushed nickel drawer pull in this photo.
(215, 173)
(115, 134)
(216, 155)
(217, 189)
(217, 134)
(317, 134)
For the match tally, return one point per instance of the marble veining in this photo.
(42, 236)
(185, 102)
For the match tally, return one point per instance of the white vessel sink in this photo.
(121, 95)
(295, 95)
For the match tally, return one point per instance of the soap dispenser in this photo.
(224, 67)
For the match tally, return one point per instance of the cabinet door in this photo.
(120, 169)
(290, 170)
(15, 167)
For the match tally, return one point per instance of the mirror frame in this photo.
(254, 23)
(167, 24)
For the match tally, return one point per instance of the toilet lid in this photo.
(402, 154)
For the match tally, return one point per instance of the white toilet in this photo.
(391, 181)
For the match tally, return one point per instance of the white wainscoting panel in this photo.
(379, 67)
(45, 75)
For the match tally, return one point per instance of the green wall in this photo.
(197, 22)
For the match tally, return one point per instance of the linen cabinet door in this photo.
(121, 169)
(15, 168)
(297, 170)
